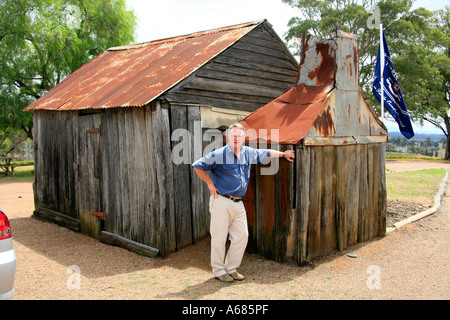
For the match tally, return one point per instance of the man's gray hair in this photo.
(237, 126)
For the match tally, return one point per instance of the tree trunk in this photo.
(447, 148)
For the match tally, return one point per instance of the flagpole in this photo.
(382, 70)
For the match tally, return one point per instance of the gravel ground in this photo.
(56, 263)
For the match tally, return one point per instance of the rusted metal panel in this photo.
(347, 71)
(135, 75)
(346, 114)
(317, 66)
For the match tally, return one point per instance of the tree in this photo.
(43, 41)
(419, 42)
(424, 71)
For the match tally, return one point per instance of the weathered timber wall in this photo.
(54, 148)
(337, 199)
(138, 176)
(118, 162)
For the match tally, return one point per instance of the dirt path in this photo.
(408, 165)
(56, 263)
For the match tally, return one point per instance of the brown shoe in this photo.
(225, 278)
(237, 276)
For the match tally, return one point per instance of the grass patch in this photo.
(23, 172)
(421, 185)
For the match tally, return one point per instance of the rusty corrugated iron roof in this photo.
(135, 75)
(291, 115)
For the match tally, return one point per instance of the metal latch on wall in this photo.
(101, 215)
(96, 130)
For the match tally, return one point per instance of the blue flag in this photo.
(393, 98)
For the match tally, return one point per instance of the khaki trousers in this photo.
(227, 218)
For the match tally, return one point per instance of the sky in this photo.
(159, 19)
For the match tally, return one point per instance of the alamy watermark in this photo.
(74, 279)
(373, 22)
(374, 279)
(73, 16)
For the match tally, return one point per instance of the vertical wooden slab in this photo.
(302, 210)
(182, 179)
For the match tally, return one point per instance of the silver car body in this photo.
(7, 268)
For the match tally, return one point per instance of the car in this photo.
(7, 259)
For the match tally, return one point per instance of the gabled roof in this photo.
(135, 75)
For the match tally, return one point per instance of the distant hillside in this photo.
(418, 136)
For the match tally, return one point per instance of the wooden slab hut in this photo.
(103, 137)
(334, 195)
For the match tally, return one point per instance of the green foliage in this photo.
(43, 41)
(23, 163)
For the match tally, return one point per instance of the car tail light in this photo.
(5, 227)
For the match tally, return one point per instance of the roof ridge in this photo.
(195, 34)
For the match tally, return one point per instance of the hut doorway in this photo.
(89, 175)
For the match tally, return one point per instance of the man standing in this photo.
(230, 172)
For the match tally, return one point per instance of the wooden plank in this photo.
(240, 71)
(151, 218)
(182, 188)
(230, 87)
(139, 248)
(164, 177)
(113, 184)
(261, 44)
(303, 163)
(215, 99)
(270, 38)
(255, 47)
(266, 212)
(283, 205)
(363, 195)
(327, 198)
(123, 220)
(316, 186)
(199, 190)
(354, 164)
(250, 208)
(249, 64)
(56, 217)
(382, 199)
(257, 58)
(342, 186)
(88, 188)
(243, 79)
(140, 163)
(374, 195)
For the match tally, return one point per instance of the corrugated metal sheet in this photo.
(135, 75)
(289, 117)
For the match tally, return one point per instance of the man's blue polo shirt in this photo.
(229, 174)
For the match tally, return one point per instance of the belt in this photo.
(235, 199)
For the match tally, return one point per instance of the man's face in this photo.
(236, 137)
